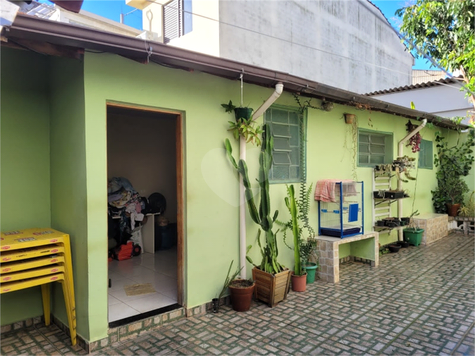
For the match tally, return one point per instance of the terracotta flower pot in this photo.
(349, 118)
(299, 283)
(241, 294)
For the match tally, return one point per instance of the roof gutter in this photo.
(57, 33)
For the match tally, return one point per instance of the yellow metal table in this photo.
(38, 257)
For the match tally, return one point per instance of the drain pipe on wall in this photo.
(400, 153)
(279, 87)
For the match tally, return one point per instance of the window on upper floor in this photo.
(288, 130)
(177, 19)
(425, 155)
(374, 147)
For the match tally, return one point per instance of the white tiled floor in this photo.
(159, 269)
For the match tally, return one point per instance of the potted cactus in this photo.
(271, 278)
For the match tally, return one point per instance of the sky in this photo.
(112, 9)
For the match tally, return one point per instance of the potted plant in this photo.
(349, 118)
(412, 233)
(244, 125)
(241, 291)
(308, 249)
(272, 279)
(453, 163)
(299, 276)
(303, 248)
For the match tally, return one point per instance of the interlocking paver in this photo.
(420, 301)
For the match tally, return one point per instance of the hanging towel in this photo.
(328, 191)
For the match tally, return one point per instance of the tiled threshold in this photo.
(131, 329)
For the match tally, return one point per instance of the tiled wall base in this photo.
(435, 227)
(120, 333)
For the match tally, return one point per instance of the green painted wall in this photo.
(68, 181)
(79, 96)
(211, 184)
(25, 175)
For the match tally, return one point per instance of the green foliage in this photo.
(262, 217)
(301, 245)
(454, 163)
(294, 225)
(445, 31)
(468, 208)
(248, 129)
(229, 279)
(229, 107)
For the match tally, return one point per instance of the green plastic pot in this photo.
(310, 268)
(243, 113)
(413, 236)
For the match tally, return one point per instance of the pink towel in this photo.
(326, 190)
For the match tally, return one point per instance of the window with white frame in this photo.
(177, 19)
(287, 128)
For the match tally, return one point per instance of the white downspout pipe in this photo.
(399, 154)
(279, 87)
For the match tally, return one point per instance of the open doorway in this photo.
(144, 167)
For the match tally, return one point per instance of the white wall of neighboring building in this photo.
(205, 34)
(444, 100)
(347, 44)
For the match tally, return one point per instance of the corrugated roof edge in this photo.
(61, 34)
(432, 83)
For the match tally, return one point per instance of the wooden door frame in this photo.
(179, 189)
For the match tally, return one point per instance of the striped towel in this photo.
(326, 190)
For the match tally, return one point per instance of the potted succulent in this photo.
(272, 279)
(453, 164)
(240, 290)
(308, 249)
(244, 125)
(412, 234)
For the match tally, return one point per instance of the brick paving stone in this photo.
(420, 301)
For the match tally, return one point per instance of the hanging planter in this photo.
(349, 118)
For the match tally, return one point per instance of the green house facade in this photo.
(57, 111)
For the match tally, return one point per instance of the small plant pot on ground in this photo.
(394, 248)
(299, 283)
(413, 236)
(311, 269)
(403, 244)
(241, 294)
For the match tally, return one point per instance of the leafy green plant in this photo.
(262, 217)
(294, 226)
(298, 209)
(454, 163)
(229, 279)
(244, 125)
(438, 28)
(248, 129)
(468, 208)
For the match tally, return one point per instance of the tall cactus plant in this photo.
(292, 206)
(261, 216)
